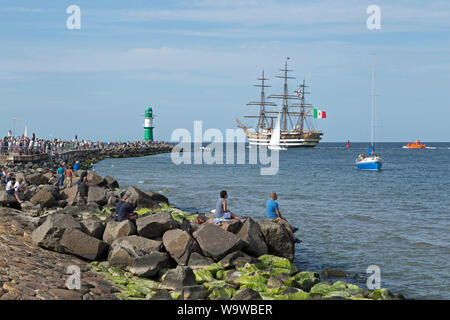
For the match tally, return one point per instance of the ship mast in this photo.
(373, 79)
(285, 96)
(262, 117)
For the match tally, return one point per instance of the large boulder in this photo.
(157, 197)
(143, 245)
(247, 294)
(49, 234)
(150, 264)
(179, 277)
(70, 195)
(253, 239)
(198, 261)
(6, 199)
(237, 259)
(180, 245)
(54, 190)
(123, 255)
(143, 200)
(155, 225)
(82, 245)
(95, 180)
(196, 292)
(31, 209)
(216, 242)
(36, 179)
(111, 182)
(114, 230)
(97, 195)
(93, 227)
(48, 175)
(43, 198)
(277, 239)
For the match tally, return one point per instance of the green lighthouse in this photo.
(148, 125)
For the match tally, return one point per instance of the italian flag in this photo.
(319, 113)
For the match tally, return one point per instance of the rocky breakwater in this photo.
(87, 157)
(164, 254)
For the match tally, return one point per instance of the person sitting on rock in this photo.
(274, 214)
(19, 188)
(126, 211)
(124, 198)
(11, 190)
(222, 213)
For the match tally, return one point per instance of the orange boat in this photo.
(415, 145)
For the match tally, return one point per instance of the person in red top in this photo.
(68, 174)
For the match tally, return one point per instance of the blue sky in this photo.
(198, 60)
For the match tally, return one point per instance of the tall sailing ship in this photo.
(296, 128)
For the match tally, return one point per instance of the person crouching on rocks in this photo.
(222, 213)
(274, 214)
(126, 210)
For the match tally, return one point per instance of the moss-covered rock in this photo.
(214, 268)
(143, 211)
(220, 274)
(304, 280)
(274, 262)
(253, 281)
(380, 294)
(293, 294)
(322, 288)
(214, 284)
(203, 275)
(221, 293)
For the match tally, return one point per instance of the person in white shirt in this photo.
(18, 189)
(10, 189)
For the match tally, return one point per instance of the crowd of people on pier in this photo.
(32, 145)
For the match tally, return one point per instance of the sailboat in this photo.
(274, 143)
(370, 161)
(348, 144)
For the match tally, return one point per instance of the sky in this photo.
(198, 60)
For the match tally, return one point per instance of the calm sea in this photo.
(397, 219)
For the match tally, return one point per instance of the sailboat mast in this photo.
(285, 101)
(262, 110)
(373, 80)
(302, 107)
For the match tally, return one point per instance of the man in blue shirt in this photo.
(274, 214)
(76, 166)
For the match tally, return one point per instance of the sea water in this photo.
(397, 219)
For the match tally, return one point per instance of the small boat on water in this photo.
(370, 161)
(274, 143)
(415, 145)
(348, 144)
